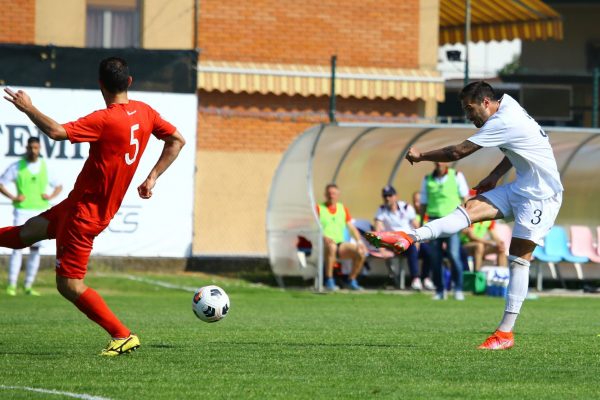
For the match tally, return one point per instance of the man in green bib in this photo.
(335, 219)
(31, 179)
(441, 192)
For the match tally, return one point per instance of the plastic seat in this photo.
(540, 256)
(504, 232)
(598, 240)
(555, 250)
(582, 243)
(557, 244)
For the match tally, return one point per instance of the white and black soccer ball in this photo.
(210, 303)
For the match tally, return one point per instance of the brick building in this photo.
(263, 79)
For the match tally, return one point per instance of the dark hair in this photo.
(33, 139)
(477, 91)
(331, 185)
(114, 74)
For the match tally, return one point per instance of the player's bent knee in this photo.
(34, 230)
(480, 209)
(70, 288)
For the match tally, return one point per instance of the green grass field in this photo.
(295, 344)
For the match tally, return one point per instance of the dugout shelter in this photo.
(361, 158)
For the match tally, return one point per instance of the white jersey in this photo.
(527, 147)
(399, 220)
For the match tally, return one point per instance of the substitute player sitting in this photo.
(532, 199)
(118, 136)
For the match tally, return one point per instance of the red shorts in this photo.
(74, 239)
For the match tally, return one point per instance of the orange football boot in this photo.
(397, 241)
(498, 341)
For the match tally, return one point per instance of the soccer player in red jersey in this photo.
(118, 136)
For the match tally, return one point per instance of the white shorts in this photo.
(533, 218)
(21, 216)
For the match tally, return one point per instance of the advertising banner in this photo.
(157, 227)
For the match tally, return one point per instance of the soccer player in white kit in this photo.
(533, 199)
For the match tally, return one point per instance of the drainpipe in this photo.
(595, 95)
(332, 94)
(467, 39)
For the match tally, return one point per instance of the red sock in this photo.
(92, 304)
(10, 237)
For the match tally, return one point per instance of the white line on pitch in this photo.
(159, 283)
(56, 392)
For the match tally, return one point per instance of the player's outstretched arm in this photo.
(173, 145)
(490, 181)
(446, 154)
(55, 192)
(5, 192)
(22, 101)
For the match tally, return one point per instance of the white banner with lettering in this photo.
(158, 227)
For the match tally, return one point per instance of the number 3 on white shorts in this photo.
(134, 142)
(537, 217)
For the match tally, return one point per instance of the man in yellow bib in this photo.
(31, 178)
(335, 218)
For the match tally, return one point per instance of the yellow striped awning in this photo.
(314, 80)
(499, 20)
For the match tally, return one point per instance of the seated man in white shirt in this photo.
(395, 215)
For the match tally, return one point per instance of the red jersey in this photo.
(118, 136)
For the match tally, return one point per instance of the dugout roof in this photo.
(362, 158)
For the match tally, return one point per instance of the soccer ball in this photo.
(210, 303)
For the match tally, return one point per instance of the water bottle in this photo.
(492, 289)
(471, 263)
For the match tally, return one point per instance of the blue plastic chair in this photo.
(555, 250)
(556, 244)
(540, 256)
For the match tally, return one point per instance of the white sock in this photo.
(33, 264)
(14, 266)
(443, 227)
(508, 322)
(517, 291)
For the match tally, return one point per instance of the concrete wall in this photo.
(167, 24)
(429, 21)
(61, 23)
